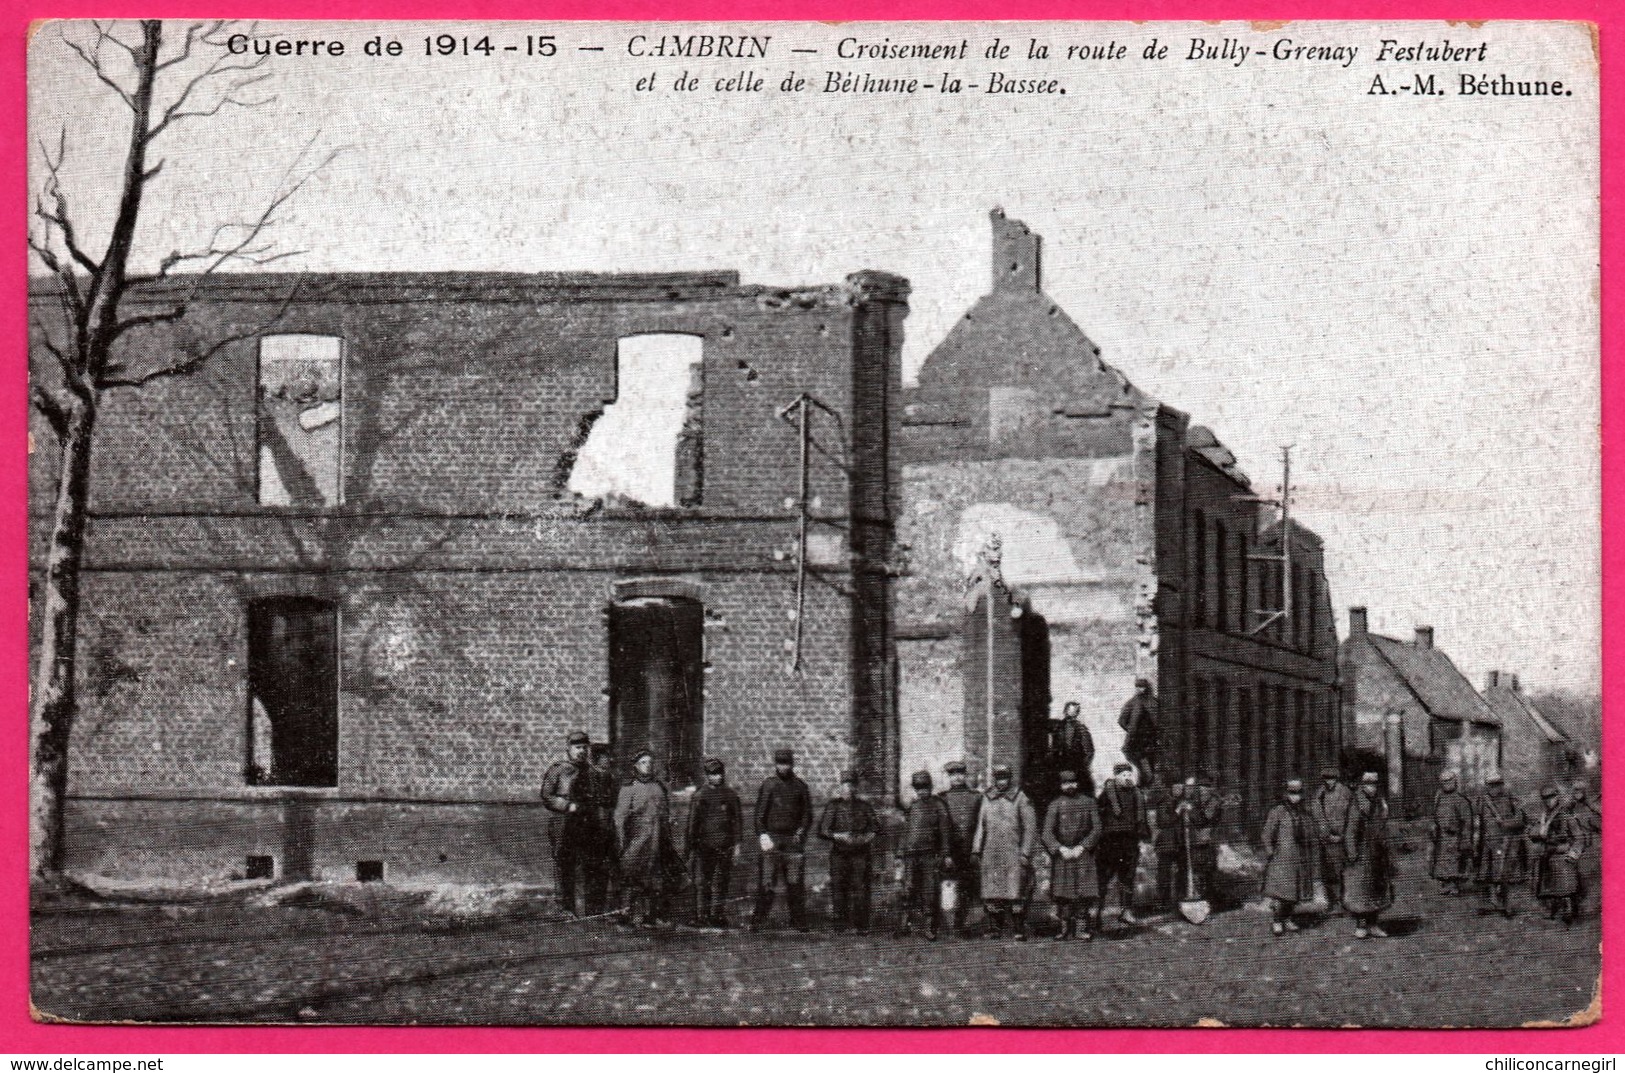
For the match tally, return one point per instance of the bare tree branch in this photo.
(93, 60)
(111, 376)
(59, 217)
(51, 407)
(220, 73)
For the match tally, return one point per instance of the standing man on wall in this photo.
(1072, 747)
(964, 808)
(1139, 719)
(1330, 811)
(567, 792)
(783, 817)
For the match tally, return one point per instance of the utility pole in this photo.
(802, 406)
(1284, 503)
(986, 580)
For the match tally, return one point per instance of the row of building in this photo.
(350, 583)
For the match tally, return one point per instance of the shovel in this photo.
(1193, 908)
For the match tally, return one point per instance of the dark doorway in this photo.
(656, 682)
(1038, 777)
(293, 725)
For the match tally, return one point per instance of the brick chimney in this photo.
(1424, 637)
(1492, 679)
(1515, 685)
(1357, 626)
(1016, 252)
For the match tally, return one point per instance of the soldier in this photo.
(1006, 837)
(1502, 851)
(715, 825)
(849, 825)
(1590, 821)
(1071, 829)
(1560, 842)
(605, 854)
(567, 793)
(643, 827)
(922, 851)
(1072, 747)
(1117, 855)
(1139, 722)
(1289, 848)
(1452, 835)
(783, 817)
(964, 807)
(1330, 811)
(1368, 876)
(1185, 840)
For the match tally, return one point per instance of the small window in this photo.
(300, 421)
(1198, 551)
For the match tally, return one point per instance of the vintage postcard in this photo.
(1084, 524)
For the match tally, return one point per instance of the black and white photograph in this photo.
(1083, 524)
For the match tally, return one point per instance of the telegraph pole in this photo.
(1284, 503)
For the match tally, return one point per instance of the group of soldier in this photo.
(961, 846)
(1500, 844)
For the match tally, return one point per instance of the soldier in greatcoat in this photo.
(964, 806)
(606, 857)
(1368, 875)
(715, 825)
(1006, 838)
(1071, 829)
(643, 828)
(1289, 851)
(1560, 841)
(567, 793)
(1329, 808)
(922, 851)
(849, 825)
(1123, 824)
(1503, 852)
(1452, 835)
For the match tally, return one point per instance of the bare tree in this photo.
(161, 84)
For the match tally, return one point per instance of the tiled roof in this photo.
(1442, 689)
(1512, 704)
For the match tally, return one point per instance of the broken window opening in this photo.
(293, 727)
(656, 683)
(648, 447)
(300, 423)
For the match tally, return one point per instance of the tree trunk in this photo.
(54, 702)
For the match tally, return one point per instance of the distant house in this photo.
(1535, 751)
(1405, 702)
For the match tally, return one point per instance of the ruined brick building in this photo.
(1130, 546)
(350, 583)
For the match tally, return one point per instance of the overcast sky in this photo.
(1403, 288)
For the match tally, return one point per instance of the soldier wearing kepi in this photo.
(715, 826)
(1289, 848)
(1006, 838)
(1368, 878)
(964, 806)
(1503, 854)
(922, 851)
(1329, 809)
(1452, 835)
(567, 792)
(1071, 829)
(1560, 842)
(783, 817)
(1123, 824)
(849, 825)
